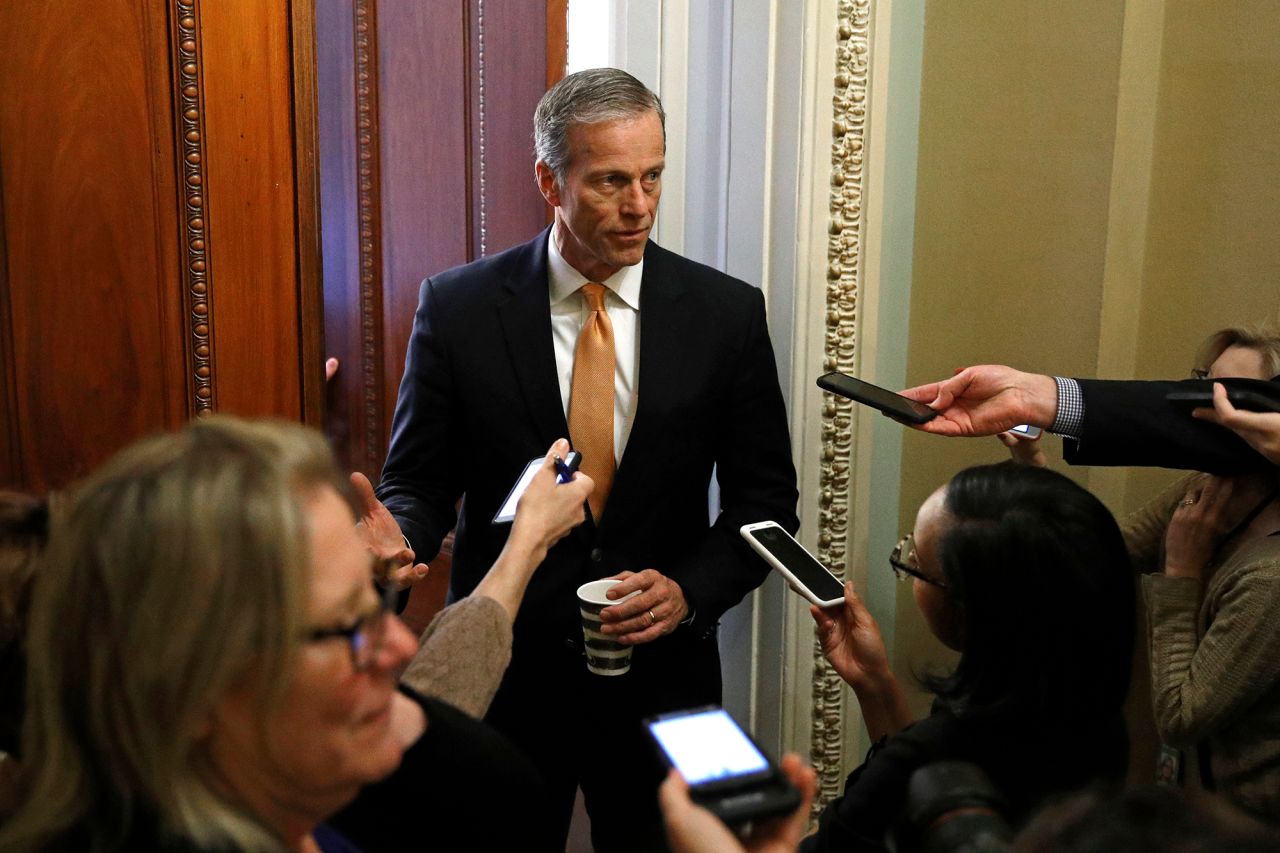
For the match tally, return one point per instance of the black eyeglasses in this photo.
(365, 636)
(906, 550)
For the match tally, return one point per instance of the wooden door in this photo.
(158, 254)
(426, 162)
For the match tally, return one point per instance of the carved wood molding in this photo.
(196, 275)
(480, 116)
(369, 219)
(844, 269)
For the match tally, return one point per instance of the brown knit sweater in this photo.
(1215, 655)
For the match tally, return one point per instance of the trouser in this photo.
(583, 729)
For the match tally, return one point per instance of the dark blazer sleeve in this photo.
(421, 481)
(754, 469)
(1131, 423)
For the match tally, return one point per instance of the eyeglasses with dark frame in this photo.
(365, 636)
(906, 548)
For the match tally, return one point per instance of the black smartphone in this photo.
(892, 404)
(728, 773)
(790, 559)
(1242, 398)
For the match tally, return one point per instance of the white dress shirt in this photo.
(569, 311)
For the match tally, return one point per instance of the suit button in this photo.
(597, 555)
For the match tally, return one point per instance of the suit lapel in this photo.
(525, 315)
(664, 327)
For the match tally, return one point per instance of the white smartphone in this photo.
(1025, 431)
(789, 558)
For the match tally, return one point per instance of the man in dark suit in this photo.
(1105, 422)
(498, 366)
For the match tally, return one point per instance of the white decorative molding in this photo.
(844, 270)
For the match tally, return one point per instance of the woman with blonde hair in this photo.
(210, 667)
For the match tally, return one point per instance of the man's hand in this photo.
(381, 534)
(657, 610)
(1260, 429)
(693, 829)
(986, 400)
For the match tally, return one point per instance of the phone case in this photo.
(748, 530)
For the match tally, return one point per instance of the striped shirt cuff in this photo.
(1069, 418)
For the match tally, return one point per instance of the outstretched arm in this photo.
(986, 400)
(546, 512)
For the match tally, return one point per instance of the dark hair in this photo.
(24, 529)
(1040, 573)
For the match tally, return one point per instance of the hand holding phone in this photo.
(693, 829)
(564, 473)
(892, 404)
(726, 771)
(789, 558)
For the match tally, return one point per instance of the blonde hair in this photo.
(176, 567)
(1264, 340)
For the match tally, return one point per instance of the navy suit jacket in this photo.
(480, 398)
(1128, 422)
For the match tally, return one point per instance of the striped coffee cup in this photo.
(605, 655)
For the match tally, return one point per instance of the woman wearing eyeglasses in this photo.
(1025, 574)
(210, 667)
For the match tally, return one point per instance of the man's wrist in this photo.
(1068, 419)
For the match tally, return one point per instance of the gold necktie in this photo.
(591, 397)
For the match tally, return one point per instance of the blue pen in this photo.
(564, 470)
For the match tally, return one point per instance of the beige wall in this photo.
(1098, 187)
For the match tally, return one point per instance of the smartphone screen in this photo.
(892, 404)
(799, 563)
(1026, 430)
(707, 746)
(507, 512)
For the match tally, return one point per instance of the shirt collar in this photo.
(564, 280)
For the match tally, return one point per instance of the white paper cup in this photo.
(605, 655)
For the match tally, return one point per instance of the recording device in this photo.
(564, 473)
(953, 808)
(727, 772)
(790, 559)
(894, 405)
(1025, 431)
(1254, 399)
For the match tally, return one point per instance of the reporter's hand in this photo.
(548, 510)
(1024, 451)
(1260, 429)
(851, 640)
(1209, 511)
(693, 829)
(381, 535)
(987, 399)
